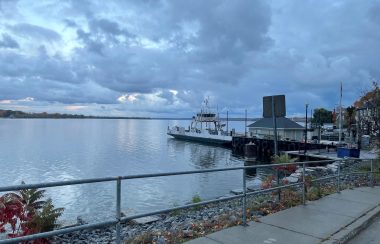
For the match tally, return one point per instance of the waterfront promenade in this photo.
(332, 219)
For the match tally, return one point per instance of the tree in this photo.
(368, 107)
(350, 118)
(321, 116)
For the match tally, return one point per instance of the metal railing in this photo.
(118, 219)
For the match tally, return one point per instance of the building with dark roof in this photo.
(286, 129)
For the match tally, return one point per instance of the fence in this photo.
(118, 219)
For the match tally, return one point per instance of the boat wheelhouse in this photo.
(205, 127)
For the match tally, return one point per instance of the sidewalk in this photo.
(332, 219)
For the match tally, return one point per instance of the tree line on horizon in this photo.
(320, 116)
(45, 115)
(20, 114)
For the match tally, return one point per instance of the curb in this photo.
(348, 232)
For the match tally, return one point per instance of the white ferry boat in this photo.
(205, 127)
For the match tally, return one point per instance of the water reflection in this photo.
(203, 156)
(250, 172)
(51, 150)
(257, 174)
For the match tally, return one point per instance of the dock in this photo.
(263, 149)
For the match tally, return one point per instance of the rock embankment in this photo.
(187, 224)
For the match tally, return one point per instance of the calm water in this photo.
(34, 151)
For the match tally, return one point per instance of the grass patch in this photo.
(175, 212)
(196, 199)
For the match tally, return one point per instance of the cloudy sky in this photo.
(162, 58)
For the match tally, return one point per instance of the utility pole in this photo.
(274, 127)
(358, 129)
(340, 114)
(245, 127)
(319, 127)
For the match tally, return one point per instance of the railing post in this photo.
(118, 211)
(278, 184)
(244, 199)
(339, 176)
(372, 183)
(303, 185)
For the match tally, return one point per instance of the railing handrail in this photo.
(118, 179)
(150, 175)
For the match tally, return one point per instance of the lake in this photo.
(46, 150)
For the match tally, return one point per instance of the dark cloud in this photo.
(70, 23)
(215, 53)
(171, 54)
(35, 32)
(8, 42)
(8, 7)
(41, 66)
(93, 46)
(334, 42)
(374, 13)
(102, 33)
(105, 26)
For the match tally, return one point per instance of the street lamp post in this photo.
(307, 105)
(319, 127)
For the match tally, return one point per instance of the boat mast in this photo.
(245, 124)
(227, 121)
(217, 118)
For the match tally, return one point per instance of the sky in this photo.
(162, 58)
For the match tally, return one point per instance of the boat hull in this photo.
(200, 139)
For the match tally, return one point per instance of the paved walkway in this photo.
(369, 235)
(334, 217)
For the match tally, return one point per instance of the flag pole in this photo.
(340, 113)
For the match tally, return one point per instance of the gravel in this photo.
(182, 221)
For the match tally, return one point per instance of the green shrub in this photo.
(26, 212)
(314, 193)
(46, 219)
(196, 199)
(284, 159)
(290, 198)
(175, 212)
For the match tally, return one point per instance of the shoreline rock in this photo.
(182, 222)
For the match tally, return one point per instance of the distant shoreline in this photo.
(126, 118)
(11, 114)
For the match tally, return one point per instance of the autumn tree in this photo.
(368, 107)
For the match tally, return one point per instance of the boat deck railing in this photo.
(118, 220)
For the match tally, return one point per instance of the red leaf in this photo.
(11, 235)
